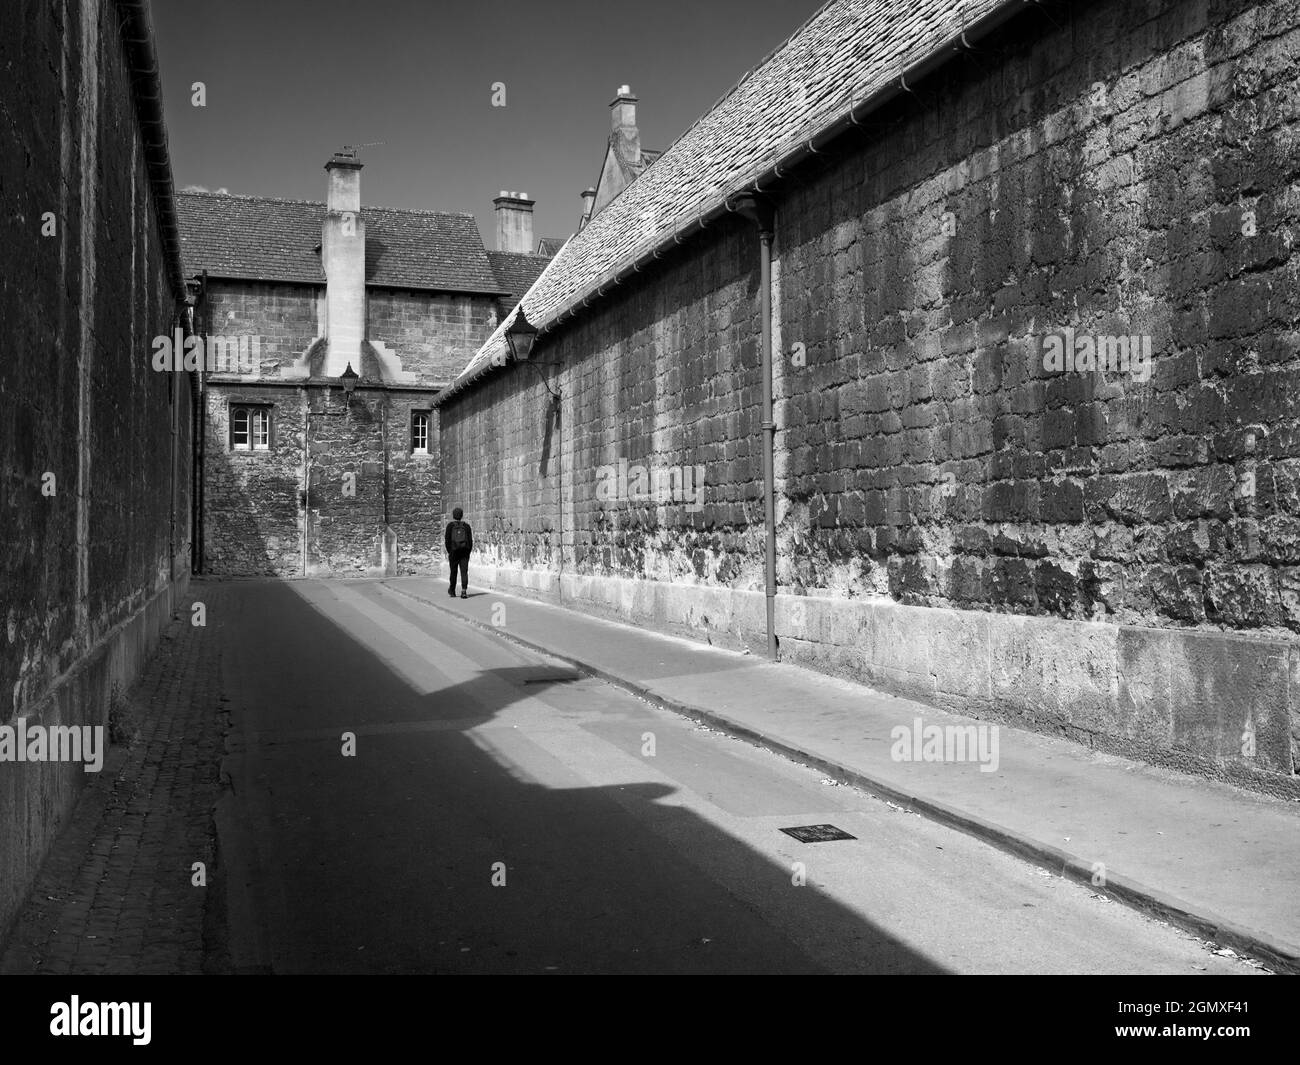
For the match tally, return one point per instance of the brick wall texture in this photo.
(95, 451)
(1125, 169)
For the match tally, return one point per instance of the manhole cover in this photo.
(817, 833)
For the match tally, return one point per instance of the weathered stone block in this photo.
(1224, 688)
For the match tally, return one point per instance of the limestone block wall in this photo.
(94, 444)
(252, 510)
(433, 333)
(256, 502)
(285, 318)
(1104, 552)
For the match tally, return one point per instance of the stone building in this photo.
(95, 445)
(300, 472)
(1101, 543)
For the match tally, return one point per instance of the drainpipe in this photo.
(383, 424)
(306, 474)
(173, 401)
(559, 480)
(386, 535)
(203, 311)
(758, 209)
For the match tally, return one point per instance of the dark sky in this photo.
(289, 81)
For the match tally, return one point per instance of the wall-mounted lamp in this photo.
(348, 379)
(521, 336)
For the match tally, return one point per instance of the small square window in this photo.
(250, 428)
(419, 432)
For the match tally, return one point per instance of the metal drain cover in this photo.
(817, 833)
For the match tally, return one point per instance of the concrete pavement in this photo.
(1217, 860)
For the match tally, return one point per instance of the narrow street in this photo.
(866, 465)
(471, 752)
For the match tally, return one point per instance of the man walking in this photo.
(460, 542)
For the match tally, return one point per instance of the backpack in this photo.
(459, 536)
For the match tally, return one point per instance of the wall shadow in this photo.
(383, 862)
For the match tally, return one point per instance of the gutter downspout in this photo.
(760, 211)
(387, 537)
(173, 401)
(200, 430)
(559, 480)
(306, 473)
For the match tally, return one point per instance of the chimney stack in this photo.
(514, 222)
(623, 124)
(588, 205)
(343, 257)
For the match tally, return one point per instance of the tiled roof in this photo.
(549, 246)
(264, 239)
(515, 273)
(847, 53)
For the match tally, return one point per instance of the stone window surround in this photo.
(251, 447)
(427, 415)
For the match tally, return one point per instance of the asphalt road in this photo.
(499, 816)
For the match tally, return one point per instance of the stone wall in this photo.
(285, 318)
(94, 444)
(433, 333)
(415, 503)
(252, 511)
(1104, 554)
(254, 502)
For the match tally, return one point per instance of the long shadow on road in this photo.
(392, 859)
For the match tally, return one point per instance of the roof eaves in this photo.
(991, 14)
(414, 286)
(496, 342)
(137, 37)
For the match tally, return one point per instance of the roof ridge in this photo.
(417, 210)
(247, 196)
(319, 203)
(746, 76)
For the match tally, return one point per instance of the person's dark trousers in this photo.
(459, 560)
